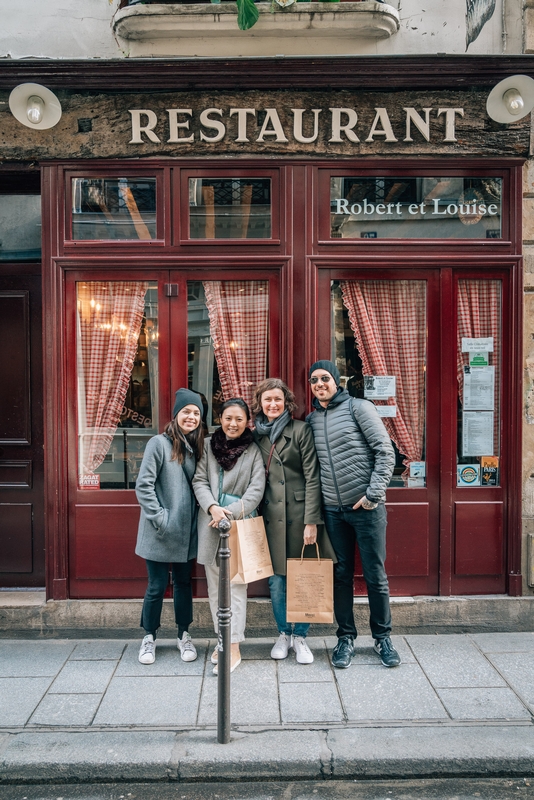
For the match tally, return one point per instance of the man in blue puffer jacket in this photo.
(357, 460)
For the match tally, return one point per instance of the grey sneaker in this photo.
(388, 655)
(343, 652)
(187, 648)
(147, 651)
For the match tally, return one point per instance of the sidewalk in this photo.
(74, 710)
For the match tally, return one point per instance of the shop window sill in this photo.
(146, 24)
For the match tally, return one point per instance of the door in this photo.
(133, 343)
(426, 346)
(22, 546)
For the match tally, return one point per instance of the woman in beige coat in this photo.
(231, 464)
(291, 506)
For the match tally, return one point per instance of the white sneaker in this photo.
(147, 651)
(302, 651)
(282, 645)
(187, 648)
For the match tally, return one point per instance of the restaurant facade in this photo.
(208, 224)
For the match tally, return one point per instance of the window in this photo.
(415, 208)
(113, 208)
(230, 208)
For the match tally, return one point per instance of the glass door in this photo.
(134, 343)
(384, 339)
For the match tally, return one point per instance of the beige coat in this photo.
(246, 480)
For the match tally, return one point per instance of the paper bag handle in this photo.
(318, 554)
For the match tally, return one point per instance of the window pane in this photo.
(415, 208)
(379, 346)
(118, 377)
(479, 371)
(113, 208)
(228, 325)
(20, 227)
(230, 208)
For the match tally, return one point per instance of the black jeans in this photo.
(158, 578)
(368, 529)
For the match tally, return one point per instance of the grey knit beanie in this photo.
(329, 366)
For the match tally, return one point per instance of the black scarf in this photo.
(227, 451)
(272, 429)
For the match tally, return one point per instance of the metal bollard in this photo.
(224, 615)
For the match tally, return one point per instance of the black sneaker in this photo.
(388, 655)
(343, 652)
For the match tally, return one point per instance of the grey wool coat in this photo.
(246, 479)
(168, 523)
(292, 495)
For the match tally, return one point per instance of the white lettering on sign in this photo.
(434, 209)
(212, 125)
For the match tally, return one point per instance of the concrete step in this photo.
(29, 614)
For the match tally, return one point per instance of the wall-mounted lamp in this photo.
(511, 99)
(35, 106)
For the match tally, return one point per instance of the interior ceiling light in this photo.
(35, 106)
(511, 99)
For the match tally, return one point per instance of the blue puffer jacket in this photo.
(355, 452)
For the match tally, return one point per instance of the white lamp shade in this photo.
(50, 112)
(497, 106)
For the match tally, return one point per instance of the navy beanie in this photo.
(329, 366)
(185, 397)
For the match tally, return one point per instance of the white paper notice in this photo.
(477, 433)
(386, 411)
(479, 389)
(477, 345)
(379, 387)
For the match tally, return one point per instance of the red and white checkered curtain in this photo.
(479, 316)
(239, 327)
(110, 314)
(388, 319)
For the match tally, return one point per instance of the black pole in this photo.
(224, 615)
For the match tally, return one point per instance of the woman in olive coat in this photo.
(291, 505)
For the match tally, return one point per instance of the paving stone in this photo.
(438, 751)
(83, 677)
(256, 649)
(310, 702)
(168, 661)
(30, 659)
(254, 695)
(19, 697)
(453, 662)
(504, 642)
(518, 670)
(290, 671)
(66, 709)
(150, 701)
(88, 756)
(374, 692)
(260, 755)
(483, 704)
(98, 650)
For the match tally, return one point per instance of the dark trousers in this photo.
(158, 578)
(367, 529)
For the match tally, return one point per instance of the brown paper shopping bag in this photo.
(310, 589)
(250, 558)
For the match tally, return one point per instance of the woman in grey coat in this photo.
(168, 524)
(292, 503)
(231, 465)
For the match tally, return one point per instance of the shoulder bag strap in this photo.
(269, 459)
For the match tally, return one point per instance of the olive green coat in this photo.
(292, 496)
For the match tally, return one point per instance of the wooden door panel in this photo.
(408, 539)
(15, 474)
(105, 542)
(16, 537)
(478, 538)
(15, 422)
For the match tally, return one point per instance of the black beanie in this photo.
(185, 397)
(329, 366)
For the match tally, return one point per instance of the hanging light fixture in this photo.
(35, 106)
